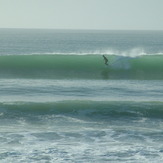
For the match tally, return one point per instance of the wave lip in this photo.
(134, 52)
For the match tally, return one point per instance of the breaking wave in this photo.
(81, 67)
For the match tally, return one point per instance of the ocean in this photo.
(60, 103)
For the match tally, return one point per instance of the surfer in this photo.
(106, 60)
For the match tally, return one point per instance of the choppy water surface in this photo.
(59, 102)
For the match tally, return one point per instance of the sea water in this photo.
(60, 103)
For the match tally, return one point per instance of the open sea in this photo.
(60, 103)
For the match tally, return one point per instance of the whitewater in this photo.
(60, 103)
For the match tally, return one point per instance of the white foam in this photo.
(134, 52)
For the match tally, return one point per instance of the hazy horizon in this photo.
(82, 14)
(75, 29)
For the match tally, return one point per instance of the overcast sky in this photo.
(82, 14)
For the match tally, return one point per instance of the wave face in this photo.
(81, 67)
(84, 108)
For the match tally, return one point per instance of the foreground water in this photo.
(81, 121)
(60, 104)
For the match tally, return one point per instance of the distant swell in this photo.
(81, 67)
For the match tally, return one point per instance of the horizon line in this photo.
(81, 29)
